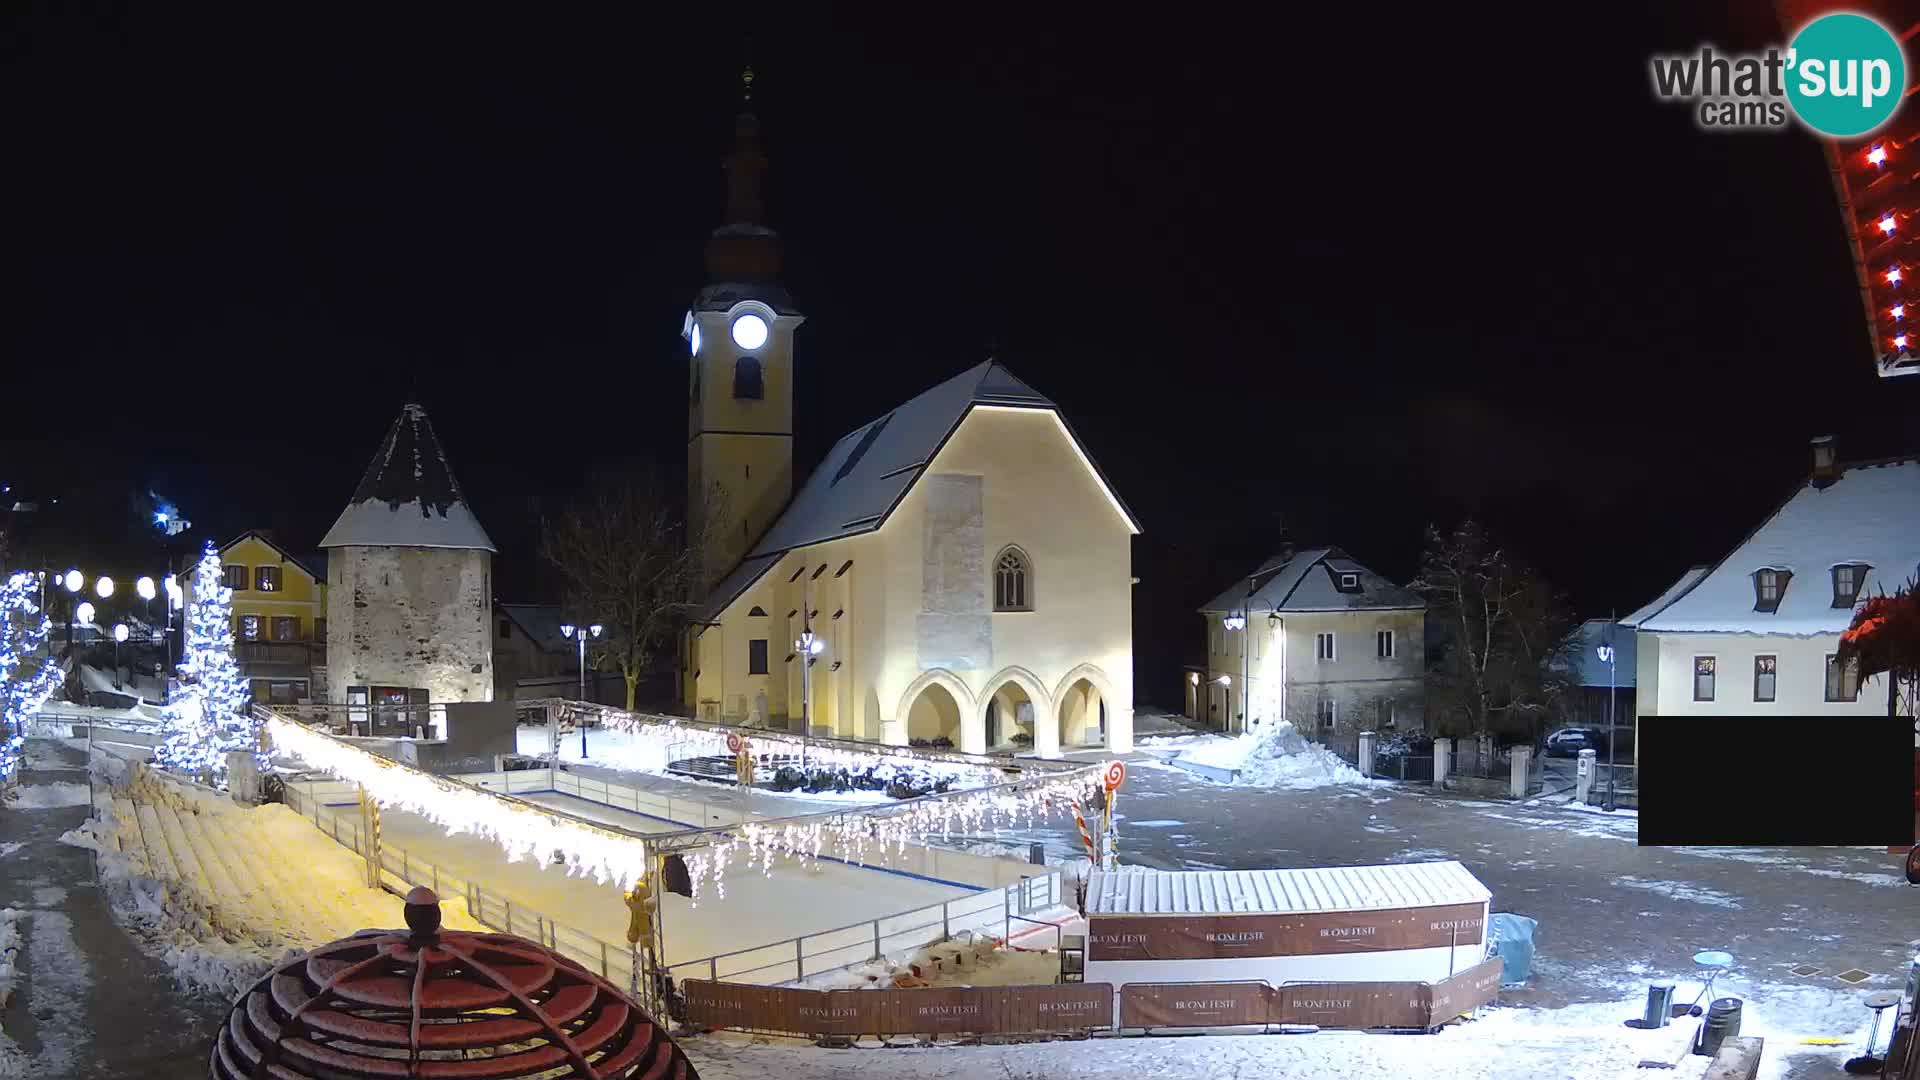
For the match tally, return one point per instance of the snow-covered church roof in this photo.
(872, 468)
(1869, 515)
(408, 497)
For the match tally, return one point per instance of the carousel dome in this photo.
(426, 1003)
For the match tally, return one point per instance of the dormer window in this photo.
(1847, 579)
(1769, 585)
(1349, 582)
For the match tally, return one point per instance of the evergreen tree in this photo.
(27, 678)
(209, 716)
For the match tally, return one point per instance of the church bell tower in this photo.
(740, 380)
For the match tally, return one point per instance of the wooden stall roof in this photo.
(1222, 892)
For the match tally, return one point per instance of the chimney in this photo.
(1826, 464)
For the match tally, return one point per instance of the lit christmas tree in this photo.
(27, 678)
(209, 716)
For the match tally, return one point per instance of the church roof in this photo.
(872, 468)
(408, 497)
(1289, 582)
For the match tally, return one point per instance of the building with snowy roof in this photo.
(1314, 637)
(279, 617)
(960, 564)
(1757, 631)
(409, 600)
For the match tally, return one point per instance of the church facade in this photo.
(955, 572)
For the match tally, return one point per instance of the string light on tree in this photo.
(209, 716)
(27, 677)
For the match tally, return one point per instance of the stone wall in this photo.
(415, 617)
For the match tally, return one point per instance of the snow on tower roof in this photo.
(872, 468)
(408, 497)
(1143, 891)
(1870, 515)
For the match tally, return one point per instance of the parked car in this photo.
(1569, 741)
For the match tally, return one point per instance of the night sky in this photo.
(1356, 275)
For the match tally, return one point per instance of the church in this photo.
(956, 572)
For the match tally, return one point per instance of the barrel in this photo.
(1659, 1005)
(1722, 1023)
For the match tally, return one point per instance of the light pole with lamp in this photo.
(119, 637)
(176, 599)
(808, 646)
(580, 634)
(1606, 657)
(74, 582)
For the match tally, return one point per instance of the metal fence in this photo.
(992, 910)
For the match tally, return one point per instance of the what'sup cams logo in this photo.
(1842, 75)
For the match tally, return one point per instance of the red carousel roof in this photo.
(422, 1003)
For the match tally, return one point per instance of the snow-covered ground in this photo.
(220, 891)
(9, 949)
(46, 796)
(1276, 756)
(624, 751)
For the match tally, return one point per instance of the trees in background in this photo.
(1504, 637)
(627, 562)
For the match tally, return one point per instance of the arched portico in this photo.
(919, 712)
(1009, 692)
(1083, 706)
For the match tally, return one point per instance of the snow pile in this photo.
(1276, 756)
(9, 951)
(48, 796)
(222, 892)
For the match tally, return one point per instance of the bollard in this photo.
(1442, 761)
(1583, 777)
(1366, 753)
(1522, 769)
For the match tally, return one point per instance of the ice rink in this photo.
(757, 909)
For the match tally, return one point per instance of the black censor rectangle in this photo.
(1776, 781)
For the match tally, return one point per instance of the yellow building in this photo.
(279, 618)
(963, 568)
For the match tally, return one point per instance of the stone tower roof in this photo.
(408, 497)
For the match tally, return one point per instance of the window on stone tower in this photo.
(1012, 581)
(746, 378)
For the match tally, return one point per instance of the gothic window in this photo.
(746, 378)
(1012, 581)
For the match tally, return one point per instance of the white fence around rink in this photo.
(1009, 892)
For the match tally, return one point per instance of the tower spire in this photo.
(743, 249)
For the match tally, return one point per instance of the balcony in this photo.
(286, 654)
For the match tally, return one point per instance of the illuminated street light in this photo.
(73, 581)
(104, 586)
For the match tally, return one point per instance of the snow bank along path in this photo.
(1276, 756)
(225, 890)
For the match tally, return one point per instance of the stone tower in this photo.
(409, 571)
(740, 399)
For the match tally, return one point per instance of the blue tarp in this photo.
(1512, 938)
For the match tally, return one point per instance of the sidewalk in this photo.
(89, 1004)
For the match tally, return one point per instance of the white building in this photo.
(1757, 631)
(1335, 649)
(409, 581)
(961, 564)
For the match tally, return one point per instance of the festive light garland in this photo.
(523, 830)
(209, 716)
(26, 680)
(858, 835)
(674, 740)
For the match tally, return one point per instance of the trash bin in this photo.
(1723, 1023)
(1511, 938)
(1659, 1005)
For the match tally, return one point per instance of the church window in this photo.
(757, 656)
(747, 382)
(817, 573)
(797, 573)
(696, 383)
(1012, 581)
(844, 567)
(506, 629)
(757, 611)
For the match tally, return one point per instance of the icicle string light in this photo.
(27, 679)
(856, 836)
(521, 829)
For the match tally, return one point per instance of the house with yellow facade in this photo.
(279, 618)
(956, 572)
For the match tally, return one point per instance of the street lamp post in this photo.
(580, 634)
(119, 636)
(1606, 657)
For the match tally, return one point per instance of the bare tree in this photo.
(627, 561)
(1505, 636)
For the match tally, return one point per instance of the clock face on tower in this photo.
(749, 331)
(693, 339)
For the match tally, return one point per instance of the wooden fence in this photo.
(1077, 1007)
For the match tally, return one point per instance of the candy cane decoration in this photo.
(1085, 836)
